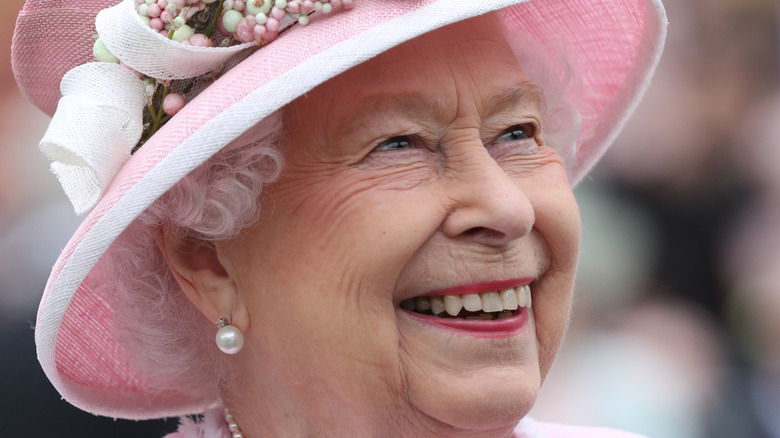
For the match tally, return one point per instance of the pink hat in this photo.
(613, 47)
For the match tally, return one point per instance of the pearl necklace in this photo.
(233, 426)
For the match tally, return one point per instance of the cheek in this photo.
(347, 239)
(558, 222)
(370, 222)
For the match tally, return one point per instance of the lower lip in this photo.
(498, 328)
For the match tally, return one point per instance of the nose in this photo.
(489, 207)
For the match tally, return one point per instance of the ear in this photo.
(196, 266)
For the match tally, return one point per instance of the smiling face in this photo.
(421, 172)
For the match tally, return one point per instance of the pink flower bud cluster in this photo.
(170, 17)
(261, 20)
(239, 21)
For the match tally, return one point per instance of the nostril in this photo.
(484, 233)
(472, 231)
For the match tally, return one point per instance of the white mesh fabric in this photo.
(146, 51)
(98, 121)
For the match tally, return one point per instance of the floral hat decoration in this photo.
(144, 91)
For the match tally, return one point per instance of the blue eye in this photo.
(396, 143)
(517, 133)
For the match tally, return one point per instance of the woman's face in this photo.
(420, 172)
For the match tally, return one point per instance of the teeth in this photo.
(521, 300)
(509, 299)
(422, 303)
(453, 304)
(523, 296)
(491, 302)
(472, 302)
(437, 305)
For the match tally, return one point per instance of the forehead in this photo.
(476, 47)
(469, 63)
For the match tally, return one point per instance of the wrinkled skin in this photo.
(401, 176)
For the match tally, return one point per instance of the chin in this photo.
(492, 398)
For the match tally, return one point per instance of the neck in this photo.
(269, 416)
(287, 404)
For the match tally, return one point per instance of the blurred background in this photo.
(676, 330)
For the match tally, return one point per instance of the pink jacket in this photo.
(212, 425)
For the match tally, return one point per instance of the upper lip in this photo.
(484, 286)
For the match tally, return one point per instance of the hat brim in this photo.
(614, 44)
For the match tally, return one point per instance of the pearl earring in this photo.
(229, 338)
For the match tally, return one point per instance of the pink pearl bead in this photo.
(200, 40)
(164, 33)
(259, 32)
(348, 4)
(156, 24)
(308, 6)
(238, 5)
(244, 32)
(173, 103)
(178, 3)
(250, 20)
(165, 17)
(294, 7)
(154, 10)
(272, 25)
(336, 4)
(162, 4)
(277, 13)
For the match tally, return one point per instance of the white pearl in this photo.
(183, 33)
(230, 20)
(327, 8)
(228, 4)
(102, 54)
(281, 4)
(255, 7)
(230, 339)
(261, 18)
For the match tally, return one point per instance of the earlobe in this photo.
(196, 266)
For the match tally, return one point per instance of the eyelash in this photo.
(528, 132)
(404, 142)
(386, 145)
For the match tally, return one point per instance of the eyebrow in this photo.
(416, 104)
(524, 92)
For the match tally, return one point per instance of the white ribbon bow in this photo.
(98, 121)
(99, 118)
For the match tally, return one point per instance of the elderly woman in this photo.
(323, 219)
